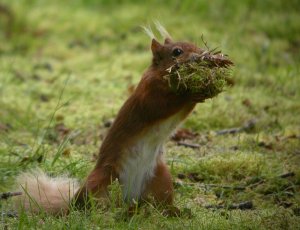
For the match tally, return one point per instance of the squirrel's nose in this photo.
(194, 56)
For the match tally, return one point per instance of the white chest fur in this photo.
(142, 158)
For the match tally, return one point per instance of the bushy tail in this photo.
(43, 193)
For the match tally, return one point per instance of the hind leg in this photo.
(161, 186)
(95, 186)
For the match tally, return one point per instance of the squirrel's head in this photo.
(167, 54)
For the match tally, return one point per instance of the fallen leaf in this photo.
(181, 175)
(130, 88)
(66, 152)
(183, 134)
(46, 66)
(246, 102)
(24, 159)
(59, 117)
(266, 145)
(108, 123)
(44, 98)
(194, 176)
(4, 127)
(62, 129)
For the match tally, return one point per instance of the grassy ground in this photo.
(66, 67)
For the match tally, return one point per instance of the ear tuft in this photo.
(148, 31)
(162, 30)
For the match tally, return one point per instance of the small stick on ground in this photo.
(288, 174)
(242, 206)
(6, 195)
(238, 188)
(251, 186)
(248, 126)
(193, 146)
(10, 214)
(284, 175)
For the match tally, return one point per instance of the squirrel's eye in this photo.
(176, 52)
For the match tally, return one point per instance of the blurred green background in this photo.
(66, 67)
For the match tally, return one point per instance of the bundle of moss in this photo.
(206, 75)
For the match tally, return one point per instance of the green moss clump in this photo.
(202, 77)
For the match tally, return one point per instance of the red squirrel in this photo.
(132, 151)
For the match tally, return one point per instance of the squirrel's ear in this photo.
(168, 40)
(155, 46)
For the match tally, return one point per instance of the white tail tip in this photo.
(43, 193)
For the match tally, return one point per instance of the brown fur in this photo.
(161, 185)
